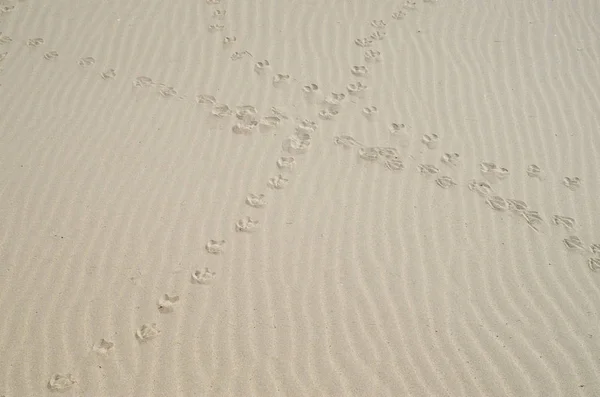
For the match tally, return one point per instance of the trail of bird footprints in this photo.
(247, 121)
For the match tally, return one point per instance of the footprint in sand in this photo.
(492, 172)
(166, 303)
(4, 39)
(86, 62)
(167, 91)
(147, 332)
(245, 127)
(378, 35)
(286, 163)
(277, 182)
(6, 9)
(221, 110)
(306, 126)
(297, 143)
(227, 40)
(572, 183)
(239, 55)
(394, 164)
(261, 66)
(268, 123)
(215, 27)
(565, 221)
(202, 98)
(370, 112)
(311, 91)
(483, 188)
(410, 5)
(219, 14)
(430, 140)
(103, 347)
(334, 100)
(451, 159)
(310, 88)
(397, 128)
(327, 114)
(256, 200)
(359, 71)
(204, 277)
(574, 243)
(279, 113)
(533, 171)
(215, 247)
(497, 203)
(378, 24)
(246, 113)
(399, 15)
(246, 225)
(502, 173)
(445, 182)
(50, 55)
(428, 169)
(517, 205)
(108, 74)
(368, 153)
(280, 79)
(61, 382)
(389, 153)
(400, 134)
(366, 42)
(346, 141)
(144, 81)
(373, 56)
(35, 42)
(594, 264)
(356, 89)
(533, 218)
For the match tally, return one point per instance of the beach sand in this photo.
(299, 198)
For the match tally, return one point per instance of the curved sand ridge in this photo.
(388, 257)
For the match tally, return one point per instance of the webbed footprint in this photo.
(147, 332)
(215, 247)
(60, 382)
(103, 347)
(166, 303)
(204, 277)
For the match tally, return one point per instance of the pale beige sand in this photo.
(359, 280)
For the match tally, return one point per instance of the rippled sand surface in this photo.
(299, 198)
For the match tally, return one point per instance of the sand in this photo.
(299, 198)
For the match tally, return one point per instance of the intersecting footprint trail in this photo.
(246, 120)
